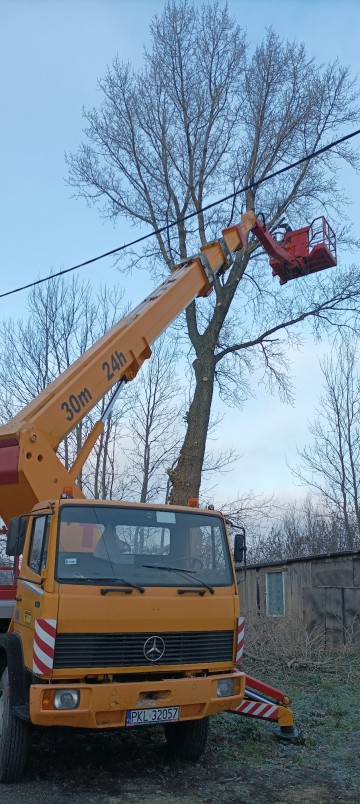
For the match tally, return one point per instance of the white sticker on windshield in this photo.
(70, 561)
(167, 517)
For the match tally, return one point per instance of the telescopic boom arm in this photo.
(30, 470)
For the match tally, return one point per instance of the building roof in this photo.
(319, 557)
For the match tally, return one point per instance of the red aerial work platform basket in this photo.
(310, 249)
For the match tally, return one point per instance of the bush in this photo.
(286, 642)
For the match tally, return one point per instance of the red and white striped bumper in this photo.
(266, 711)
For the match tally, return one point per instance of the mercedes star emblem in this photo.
(154, 648)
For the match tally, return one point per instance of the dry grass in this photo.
(285, 642)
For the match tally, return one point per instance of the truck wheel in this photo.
(187, 740)
(13, 736)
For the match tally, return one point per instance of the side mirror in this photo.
(16, 536)
(239, 548)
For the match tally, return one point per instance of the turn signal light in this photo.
(48, 699)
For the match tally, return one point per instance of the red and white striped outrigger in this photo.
(262, 700)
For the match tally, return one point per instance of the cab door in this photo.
(32, 611)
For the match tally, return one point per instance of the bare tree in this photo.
(156, 422)
(65, 318)
(252, 513)
(205, 116)
(330, 465)
(304, 528)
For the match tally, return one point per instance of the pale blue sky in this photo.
(51, 54)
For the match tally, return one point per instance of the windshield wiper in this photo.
(119, 584)
(182, 571)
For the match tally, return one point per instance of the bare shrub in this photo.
(278, 642)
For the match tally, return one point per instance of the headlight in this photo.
(225, 687)
(66, 699)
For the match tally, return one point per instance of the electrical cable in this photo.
(187, 217)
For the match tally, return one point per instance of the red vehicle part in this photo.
(310, 249)
(266, 689)
(265, 702)
(9, 569)
(292, 254)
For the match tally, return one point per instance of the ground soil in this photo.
(243, 764)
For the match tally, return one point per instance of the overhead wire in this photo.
(166, 227)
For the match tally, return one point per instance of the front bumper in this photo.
(104, 705)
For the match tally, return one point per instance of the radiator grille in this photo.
(127, 650)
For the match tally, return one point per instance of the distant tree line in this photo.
(302, 529)
(328, 520)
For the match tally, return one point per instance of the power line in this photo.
(187, 217)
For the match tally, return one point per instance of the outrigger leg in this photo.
(265, 702)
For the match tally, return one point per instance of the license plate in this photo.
(142, 717)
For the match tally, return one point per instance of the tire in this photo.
(13, 736)
(187, 740)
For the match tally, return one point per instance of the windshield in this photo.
(142, 547)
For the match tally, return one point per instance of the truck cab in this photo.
(125, 615)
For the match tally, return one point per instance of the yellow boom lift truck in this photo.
(124, 614)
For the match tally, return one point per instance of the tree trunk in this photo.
(186, 477)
